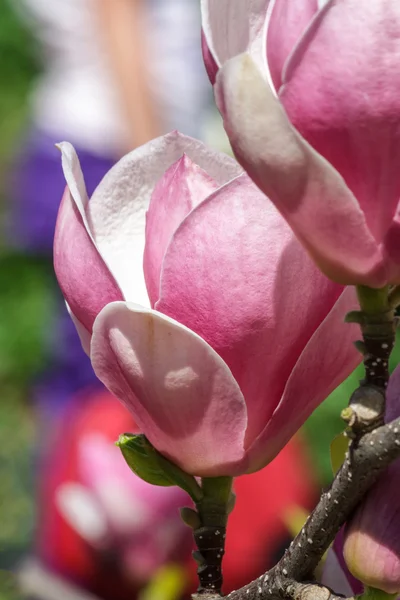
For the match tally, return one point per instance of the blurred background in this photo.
(75, 69)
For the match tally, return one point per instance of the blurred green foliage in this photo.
(18, 67)
(8, 587)
(26, 285)
(24, 308)
(17, 437)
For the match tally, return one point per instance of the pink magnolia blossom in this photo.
(111, 508)
(372, 541)
(207, 319)
(99, 525)
(309, 94)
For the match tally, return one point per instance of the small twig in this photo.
(366, 460)
(379, 337)
(312, 591)
(372, 448)
(209, 530)
(210, 541)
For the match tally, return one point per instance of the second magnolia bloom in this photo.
(309, 95)
(205, 317)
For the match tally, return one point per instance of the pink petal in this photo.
(118, 207)
(74, 178)
(287, 22)
(341, 91)
(231, 274)
(368, 541)
(78, 507)
(234, 26)
(372, 543)
(310, 194)
(85, 281)
(326, 361)
(181, 393)
(209, 62)
(182, 187)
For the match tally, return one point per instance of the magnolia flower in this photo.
(114, 510)
(206, 318)
(91, 507)
(309, 94)
(371, 542)
(99, 525)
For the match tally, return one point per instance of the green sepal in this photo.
(142, 459)
(373, 300)
(151, 466)
(360, 346)
(198, 557)
(354, 316)
(190, 517)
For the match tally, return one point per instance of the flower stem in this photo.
(378, 333)
(366, 409)
(213, 512)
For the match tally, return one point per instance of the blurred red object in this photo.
(256, 534)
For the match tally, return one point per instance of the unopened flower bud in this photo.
(372, 537)
(146, 462)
